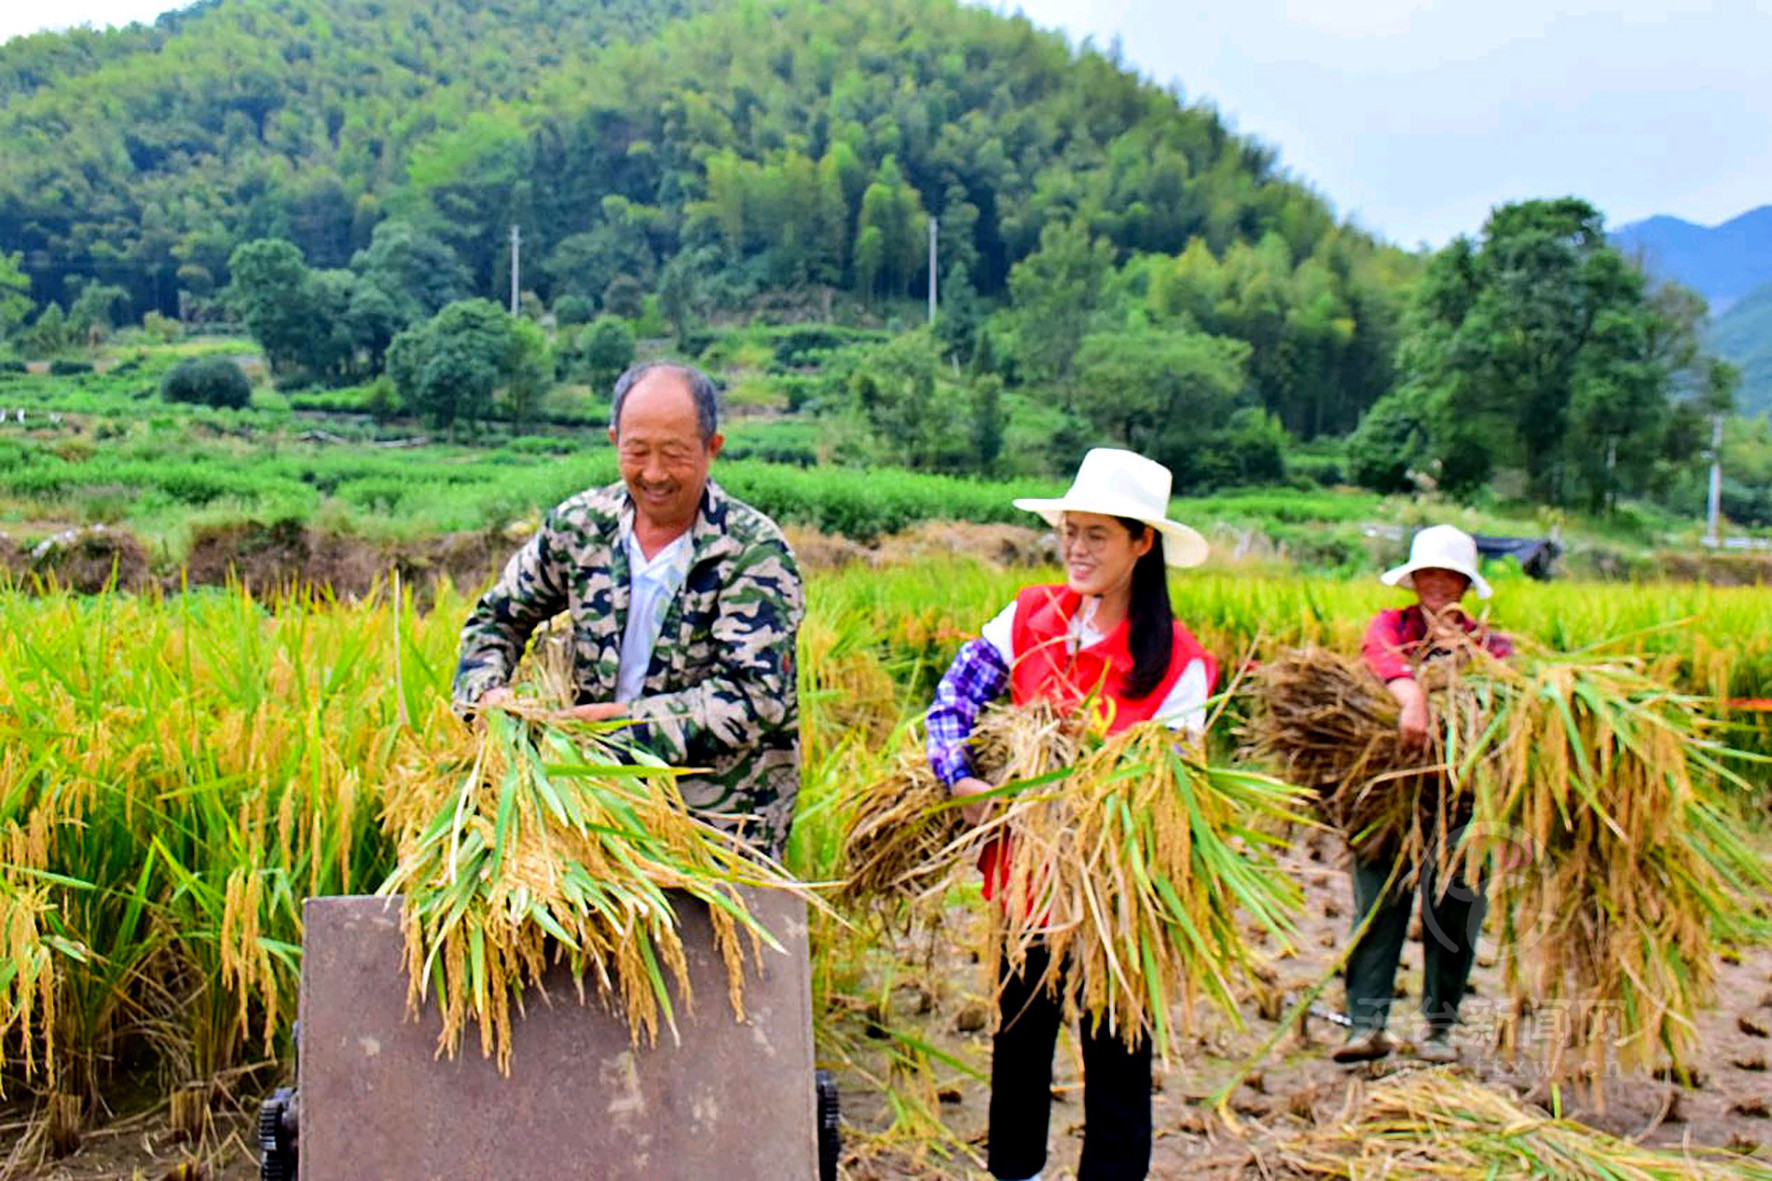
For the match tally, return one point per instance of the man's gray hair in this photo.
(701, 388)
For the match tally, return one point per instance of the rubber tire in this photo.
(830, 1132)
(277, 1160)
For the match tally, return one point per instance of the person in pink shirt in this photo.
(1441, 570)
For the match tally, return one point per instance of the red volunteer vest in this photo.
(1044, 668)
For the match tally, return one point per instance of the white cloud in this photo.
(20, 17)
(1417, 118)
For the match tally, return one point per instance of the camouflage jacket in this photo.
(719, 693)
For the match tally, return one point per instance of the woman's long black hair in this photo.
(1150, 620)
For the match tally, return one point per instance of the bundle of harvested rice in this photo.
(1138, 871)
(543, 845)
(905, 838)
(900, 836)
(1618, 792)
(1433, 1123)
(1593, 798)
(1327, 723)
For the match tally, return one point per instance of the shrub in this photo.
(207, 381)
(572, 309)
(162, 328)
(63, 367)
(604, 350)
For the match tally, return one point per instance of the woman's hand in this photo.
(977, 813)
(1414, 720)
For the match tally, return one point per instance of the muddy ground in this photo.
(1726, 1106)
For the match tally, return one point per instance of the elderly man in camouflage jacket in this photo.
(684, 605)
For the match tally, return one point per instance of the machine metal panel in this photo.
(731, 1101)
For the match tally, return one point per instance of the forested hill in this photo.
(760, 148)
(141, 156)
(1722, 263)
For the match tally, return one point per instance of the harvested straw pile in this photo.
(1598, 794)
(1327, 723)
(1139, 869)
(906, 837)
(1437, 1124)
(543, 846)
(1133, 861)
(1615, 786)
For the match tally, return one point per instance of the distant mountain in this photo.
(1743, 335)
(1722, 263)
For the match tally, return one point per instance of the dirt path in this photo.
(1297, 1087)
(1727, 1107)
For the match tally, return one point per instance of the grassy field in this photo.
(178, 773)
(102, 447)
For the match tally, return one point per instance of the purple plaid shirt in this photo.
(977, 677)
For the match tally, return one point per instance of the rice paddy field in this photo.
(177, 772)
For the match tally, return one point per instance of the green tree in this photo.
(1056, 291)
(1392, 440)
(680, 292)
(895, 228)
(605, 349)
(990, 421)
(373, 318)
(526, 374)
(450, 367)
(624, 297)
(910, 411)
(207, 381)
(15, 295)
(1536, 347)
(48, 334)
(1152, 388)
(270, 294)
(416, 269)
(97, 310)
(572, 310)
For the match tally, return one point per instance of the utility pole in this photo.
(516, 245)
(1716, 479)
(932, 232)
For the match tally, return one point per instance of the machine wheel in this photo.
(277, 1136)
(830, 1135)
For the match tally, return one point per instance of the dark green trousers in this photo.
(1450, 922)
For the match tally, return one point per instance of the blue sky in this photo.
(1415, 119)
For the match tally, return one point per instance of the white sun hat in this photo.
(1119, 483)
(1443, 547)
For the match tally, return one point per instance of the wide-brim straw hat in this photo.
(1120, 483)
(1442, 547)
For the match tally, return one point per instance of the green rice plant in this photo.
(1139, 869)
(536, 842)
(180, 774)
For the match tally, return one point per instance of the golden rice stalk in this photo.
(1139, 871)
(1614, 786)
(898, 838)
(906, 839)
(1434, 1123)
(1325, 722)
(1590, 795)
(548, 846)
(30, 949)
(846, 691)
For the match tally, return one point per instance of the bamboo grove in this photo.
(177, 773)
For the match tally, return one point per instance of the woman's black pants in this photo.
(1116, 1087)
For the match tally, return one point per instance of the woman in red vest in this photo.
(1106, 636)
